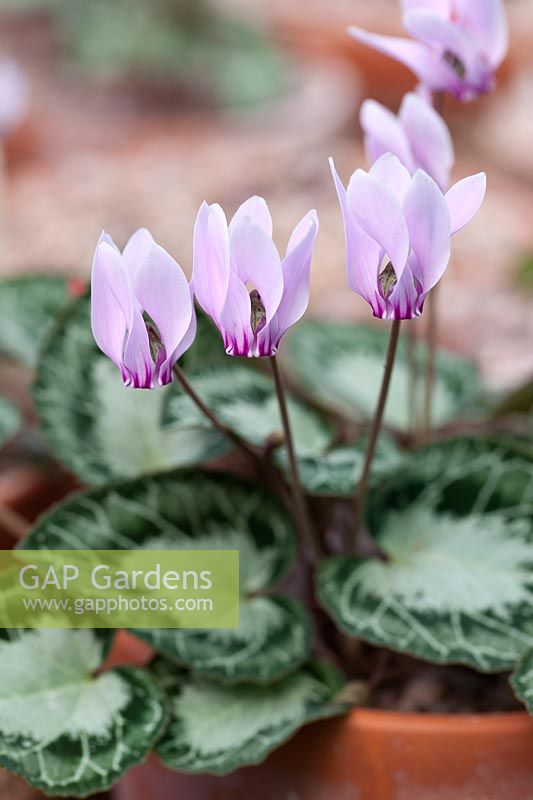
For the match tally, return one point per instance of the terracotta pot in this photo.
(370, 755)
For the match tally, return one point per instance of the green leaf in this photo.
(65, 729)
(456, 525)
(335, 473)
(522, 680)
(216, 729)
(96, 426)
(10, 421)
(28, 307)
(245, 400)
(193, 510)
(340, 366)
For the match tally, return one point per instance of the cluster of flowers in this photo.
(399, 218)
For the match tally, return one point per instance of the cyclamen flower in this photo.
(252, 295)
(458, 44)
(418, 136)
(142, 280)
(398, 232)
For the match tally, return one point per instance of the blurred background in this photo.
(125, 113)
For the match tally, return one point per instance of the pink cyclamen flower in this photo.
(143, 280)
(457, 45)
(239, 279)
(418, 136)
(398, 233)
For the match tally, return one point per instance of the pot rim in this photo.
(428, 723)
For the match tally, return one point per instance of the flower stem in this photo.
(300, 503)
(362, 489)
(412, 389)
(431, 349)
(228, 432)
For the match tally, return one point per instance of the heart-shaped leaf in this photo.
(245, 400)
(340, 366)
(99, 429)
(336, 472)
(216, 729)
(9, 420)
(522, 680)
(456, 527)
(193, 510)
(65, 729)
(28, 307)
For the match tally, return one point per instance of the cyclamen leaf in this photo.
(28, 308)
(193, 510)
(64, 729)
(335, 473)
(340, 366)
(9, 421)
(99, 429)
(216, 729)
(522, 680)
(245, 400)
(456, 525)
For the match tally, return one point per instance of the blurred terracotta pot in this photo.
(370, 755)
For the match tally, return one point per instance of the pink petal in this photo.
(183, 346)
(429, 137)
(296, 269)
(162, 290)
(363, 254)
(380, 214)
(426, 64)
(403, 301)
(137, 356)
(384, 134)
(390, 172)
(440, 33)
(111, 302)
(489, 20)
(428, 221)
(136, 248)
(464, 200)
(441, 7)
(254, 210)
(256, 261)
(235, 320)
(211, 264)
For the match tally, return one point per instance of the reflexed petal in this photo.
(186, 342)
(296, 269)
(380, 214)
(111, 302)
(254, 210)
(384, 134)
(441, 7)
(235, 320)
(421, 60)
(162, 290)
(402, 303)
(136, 248)
(489, 19)
(428, 220)
(137, 356)
(211, 265)
(393, 174)
(464, 200)
(363, 254)
(440, 33)
(430, 138)
(256, 261)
